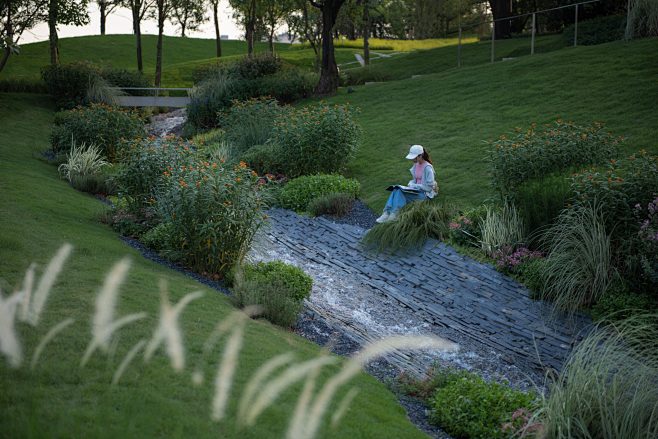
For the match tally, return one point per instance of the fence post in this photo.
(575, 28)
(493, 38)
(459, 48)
(532, 41)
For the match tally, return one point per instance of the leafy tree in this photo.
(274, 13)
(247, 12)
(16, 17)
(305, 24)
(188, 14)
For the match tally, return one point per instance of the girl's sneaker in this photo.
(382, 219)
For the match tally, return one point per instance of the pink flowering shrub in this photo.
(509, 260)
(648, 237)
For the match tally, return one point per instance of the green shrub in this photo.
(530, 274)
(619, 303)
(501, 229)
(20, 85)
(416, 222)
(361, 75)
(256, 66)
(619, 188)
(69, 83)
(642, 19)
(540, 201)
(264, 159)
(298, 193)
(466, 406)
(211, 96)
(578, 268)
(597, 30)
(333, 204)
(205, 71)
(539, 152)
(249, 123)
(316, 139)
(607, 388)
(160, 238)
(144, 164)
(286, 86)
(465, 228)
(126, 78)
(279, 288)
(97, 124)
(214, 211)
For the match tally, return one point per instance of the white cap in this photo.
(415, 151)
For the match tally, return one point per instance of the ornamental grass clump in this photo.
(213, 210)
(416, 223)
(501, 229)
(83, 166)
(578, 267)
(540, 151)
(607, 388)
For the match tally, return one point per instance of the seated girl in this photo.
(422, 185)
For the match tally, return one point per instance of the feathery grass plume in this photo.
(416, 222)
(99, 338)
(47, 339)
(225, 372)
(353, 366)
(168, 331)
(607, 388)
(256, 381)
(343, 406)
(40, 296)
(578, 268)
(500, 229)
(127, 360)
(9, 344)
(304, 401)
(276, 386)
(99, 91)
(221, 328)
(28, 286)
(106, 301)
(642, 19)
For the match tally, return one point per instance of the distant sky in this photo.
(120, 22)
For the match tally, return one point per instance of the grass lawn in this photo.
(453, 112)
(38, 213)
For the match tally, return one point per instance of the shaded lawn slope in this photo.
(452, 113)
(39, 212)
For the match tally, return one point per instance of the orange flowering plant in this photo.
(213, 211)
(540, 151)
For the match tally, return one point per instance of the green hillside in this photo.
(180, 55)
(453, 112)
(38, 213)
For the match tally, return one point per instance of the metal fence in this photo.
(531, 30)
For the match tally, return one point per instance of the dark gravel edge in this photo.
(314, 327)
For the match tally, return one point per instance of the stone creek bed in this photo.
(499, 329)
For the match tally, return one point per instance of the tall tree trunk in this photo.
(270, 39)
(251, 27)
(10, 40)
(501, 9)
(52, 28)
(102, 6)
(366, 32)
(218, 37)
(328, 83)
(138, 34)
(158, 56)
(183, 24)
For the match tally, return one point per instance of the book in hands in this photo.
(403, 188)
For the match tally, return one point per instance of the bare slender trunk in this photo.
(366, 32)
(271, 39)
(218, 37)
(52, 28)
(102, 6)
(158, 56)
(138, 34)
(251, 28)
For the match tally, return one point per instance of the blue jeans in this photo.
(398, 199)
